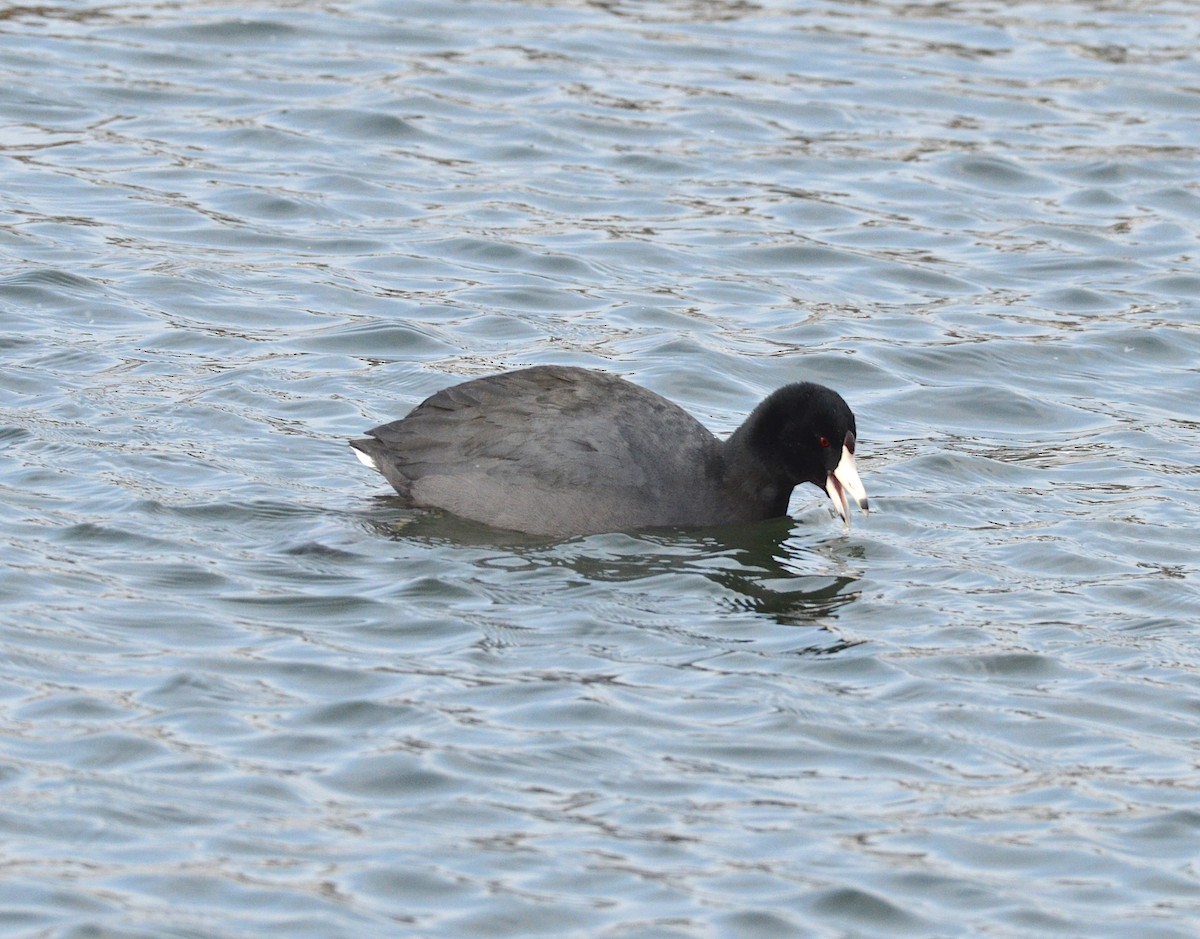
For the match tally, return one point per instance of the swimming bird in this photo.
(559, 450)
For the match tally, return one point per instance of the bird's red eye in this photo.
(823, 441)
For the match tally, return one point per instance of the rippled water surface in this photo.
(244, 693)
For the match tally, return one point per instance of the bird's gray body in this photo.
(561, 450)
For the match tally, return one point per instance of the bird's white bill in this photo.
(843, 482)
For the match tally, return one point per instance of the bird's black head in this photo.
(801, 429)
(805, 433)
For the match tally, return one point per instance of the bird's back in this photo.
(551, 450)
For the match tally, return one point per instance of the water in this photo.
(243, 693)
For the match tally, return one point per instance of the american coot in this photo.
(555, 450)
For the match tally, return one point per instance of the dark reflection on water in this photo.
(802, 601)
(756, 564)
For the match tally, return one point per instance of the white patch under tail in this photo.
(366, 459)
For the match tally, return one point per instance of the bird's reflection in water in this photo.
(763, 568)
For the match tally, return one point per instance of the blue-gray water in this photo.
(243, 693)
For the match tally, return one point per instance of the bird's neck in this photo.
(753, 482)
